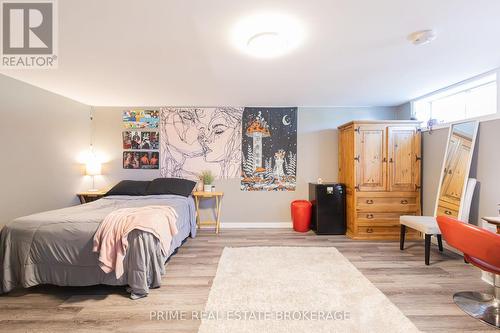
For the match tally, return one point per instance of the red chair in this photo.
(482, 249)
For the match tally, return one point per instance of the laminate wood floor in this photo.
(423, 293)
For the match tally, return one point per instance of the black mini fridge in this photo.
(328, 208)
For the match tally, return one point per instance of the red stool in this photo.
(482, 249)
(301, 215)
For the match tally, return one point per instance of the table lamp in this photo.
(93, 168)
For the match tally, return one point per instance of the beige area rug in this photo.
(296, 289)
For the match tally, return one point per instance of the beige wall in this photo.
(485, 168)
(317, 157)
(42, 134)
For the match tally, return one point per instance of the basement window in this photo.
(473, 98)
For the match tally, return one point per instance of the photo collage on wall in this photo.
(141, 139)
(141, 119)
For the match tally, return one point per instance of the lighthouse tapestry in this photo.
(269, 149)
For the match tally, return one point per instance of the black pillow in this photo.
(175, 186)
(129, 187)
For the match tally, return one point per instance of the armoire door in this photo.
(453, 182)
(403, 154)
(370, 158)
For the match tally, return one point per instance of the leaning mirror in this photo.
(455, 171)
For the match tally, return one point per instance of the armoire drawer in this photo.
(387, 204)
(378, 231)
(379, 218)
(447, 209)
(449, 205)
(443, 211)
(391, 232)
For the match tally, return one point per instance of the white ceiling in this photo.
(178, 52)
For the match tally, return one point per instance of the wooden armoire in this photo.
(379, 163)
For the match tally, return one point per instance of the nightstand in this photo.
(89, 196)
(198, 196)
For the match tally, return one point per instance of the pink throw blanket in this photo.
(110, 239)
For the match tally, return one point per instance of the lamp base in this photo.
(483, 307)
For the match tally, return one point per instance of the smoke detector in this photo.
(422, 37)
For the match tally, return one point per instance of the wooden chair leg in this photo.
(427, 248)
(402, 237)
(440, 242)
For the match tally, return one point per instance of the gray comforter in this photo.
(55, 247)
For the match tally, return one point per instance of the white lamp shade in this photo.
(93, 168)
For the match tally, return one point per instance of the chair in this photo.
(428, 224)
(482, 249)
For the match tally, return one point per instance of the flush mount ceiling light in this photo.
(422, 37)
(267, 35)
(268, 44)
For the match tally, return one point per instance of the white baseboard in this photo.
(255, 225)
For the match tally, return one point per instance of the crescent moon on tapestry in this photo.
(286, 120)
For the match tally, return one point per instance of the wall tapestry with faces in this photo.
(193, 139)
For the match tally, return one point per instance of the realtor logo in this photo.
(29, 34)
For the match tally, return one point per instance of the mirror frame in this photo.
(464, 185)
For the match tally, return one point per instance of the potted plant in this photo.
(208, 178)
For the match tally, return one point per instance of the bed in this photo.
(55, 247)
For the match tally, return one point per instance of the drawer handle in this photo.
(369, 230)
(369, 216)
(404, 202)
(447, 212)
(369, 201)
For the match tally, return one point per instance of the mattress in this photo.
(55, 247)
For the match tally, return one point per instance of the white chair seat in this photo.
(425, 224)
(429, 226)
